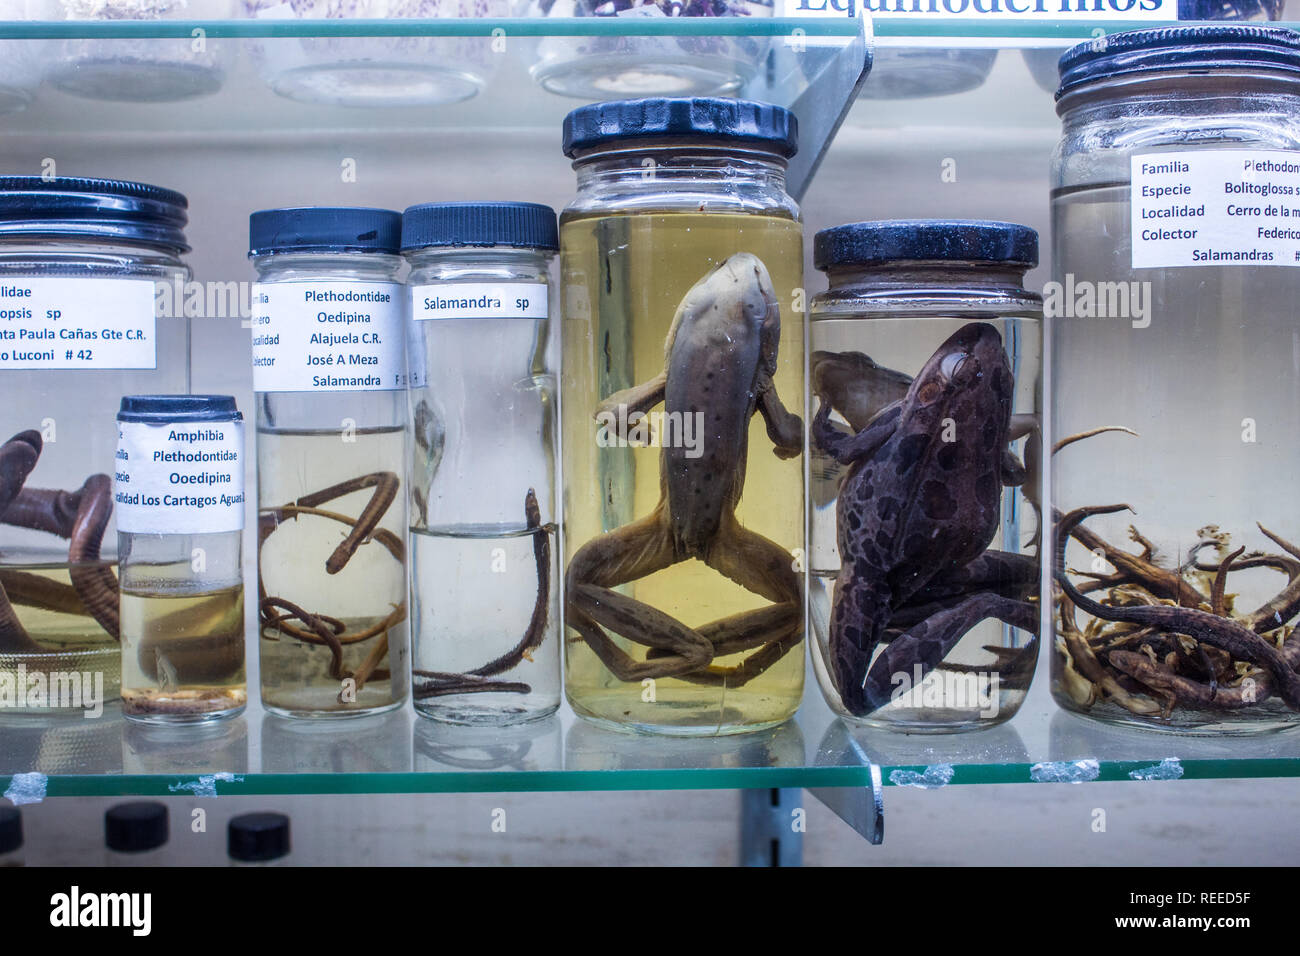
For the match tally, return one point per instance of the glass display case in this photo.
(978, 152)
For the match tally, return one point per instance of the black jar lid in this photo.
(11, 829)
(257, 837)
(324, 229)
(136, 827)
(771, 128)
(925, 240)
(165, 409)
(525, 225)
(1205, 48)
(93, 210)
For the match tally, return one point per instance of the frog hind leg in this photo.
(929, 642)
(593, 606)
(760, 565)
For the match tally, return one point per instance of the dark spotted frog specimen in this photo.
(720, 359)
(916, 514)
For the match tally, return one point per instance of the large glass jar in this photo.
(600, 67)
(681, 270)
(925, 515)
(484, 595)
(143, 69)
(87, 268)
(377, 71)
(1176, 396)
(329, 377)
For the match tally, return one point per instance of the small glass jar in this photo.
(682, 279)
(258, 839)
(904, 73)
(329, 375)
(1176, 273)
(87, 268)
(135, 833)
(485, 594)
(926, 365)
(179, 491)
(376, 71)
(11, 837)
(601, 67)
(147, 70)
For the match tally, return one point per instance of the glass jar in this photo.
(87, 267)
(22, 62)
(329, 376)
(924, 570)
(376, 71)
(148, 70)
(1042, 62)
(600, 67)
(683, 515)
(1175, 388)
(485, 599)
(179, 491)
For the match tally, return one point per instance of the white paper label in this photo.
(328, 337)
(479, 300)
(1216, 207)
(76, 323)
(179, 478)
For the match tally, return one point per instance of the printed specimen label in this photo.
(75, 323)
(328, 336)
(479, 300)
(1216, 207)
(179, 478)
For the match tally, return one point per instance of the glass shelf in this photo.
(403, 753)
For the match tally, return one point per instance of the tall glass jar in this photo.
(926, 370)
(485, 599)
(1176, 394)
(682, 275)
(329, 376)
(88, 268)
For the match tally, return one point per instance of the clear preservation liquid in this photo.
(485, 596)
(358, 600)
(1201, 364)
(983, 679)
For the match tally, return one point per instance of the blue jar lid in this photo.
(257, 837)
(11, 829)
(324, 229)
(136, 826)
(1210, 47)
(771, 128)
(94, 210)
(525, 225)
(925, 240)
(165, 409)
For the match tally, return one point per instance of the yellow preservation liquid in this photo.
(183, 653)
(624, 278)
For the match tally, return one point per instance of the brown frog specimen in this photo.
(721, 355)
